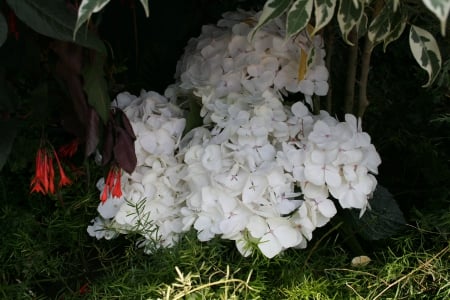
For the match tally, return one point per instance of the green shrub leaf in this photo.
(383, 220)
(53, 19)
(323, 11)
(3, 29)
(426, 52)
(298, 16)
(441, 9)
(272, 9)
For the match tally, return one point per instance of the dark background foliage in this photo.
(38, 234)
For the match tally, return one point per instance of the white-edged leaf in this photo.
(426, 52)
(397, 28)
(312, 54)
(395, 4)
(145, 6)
(298, 16)
(3, 29)
(86, 9)
(272, 9)
(441, 9)
(348, 17)
(323, 12)
(388, 25)
(380, 27)
(52, 18)
(362, 25)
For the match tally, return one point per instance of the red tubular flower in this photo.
(69, 150)
(112, 184)
(63, 179)
(44, 179)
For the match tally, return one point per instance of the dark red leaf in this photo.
(126, 124)
(124, 152)
(108, 143)
(92, 131)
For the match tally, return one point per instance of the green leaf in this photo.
(298, 16)
(348, 17)
(441, 9)
(3, 29)
(426, 52)
(272, 9)
(323, 11)
(383, 220)
(9, 133)
(87, 8)
(52, 18)
(96, 87)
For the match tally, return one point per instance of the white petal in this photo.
(327, 208)
(269, 245)
(257, 226)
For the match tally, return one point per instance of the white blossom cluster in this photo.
(259, 172)
(150, 204)
(222, 60)
(265, 177)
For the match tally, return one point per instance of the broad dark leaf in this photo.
(3, 29)
(124, 151)
(54, 18)
(9, 132)
(108, 142)
(92, 132)
(126, 123)
(383, 220)
(68, 68)
(96, 87)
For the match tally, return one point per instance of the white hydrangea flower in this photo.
(222, 60)
(258, 172)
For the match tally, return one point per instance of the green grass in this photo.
(46, 253)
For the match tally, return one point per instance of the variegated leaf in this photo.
(272, 9)
(441, 9)
(298, 16)
(380, 26)
(426, 52)
(395, 4)
(323, 11)
(311, 58)
(87, 8)
(348, 17)
(145, 5)
(362, 25)
(397, 28)
(388, 25)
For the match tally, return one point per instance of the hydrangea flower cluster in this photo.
(259, 172)
(222, 61)
(267, 181)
